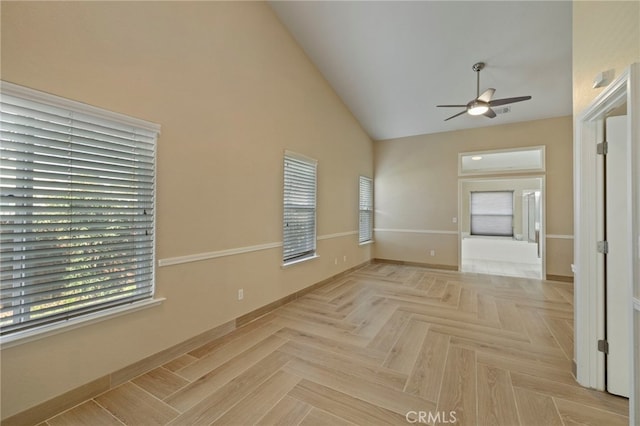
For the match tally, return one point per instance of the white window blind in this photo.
(492, 213)
(366, 210)
(299, 236)
(77, 210)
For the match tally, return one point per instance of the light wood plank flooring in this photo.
(497, 267)
(382, 343)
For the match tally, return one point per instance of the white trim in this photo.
(589, 318)
(542, 168)
(560, 237)
(297, 261)
(215, 254)
(589, 295)
(416, 231)
(636, 304)
(48, 330)
(169, 261)
(60, 102)
(337, 235)
(366, 243)
(633, 111)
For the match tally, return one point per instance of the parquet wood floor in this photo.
(372, 348)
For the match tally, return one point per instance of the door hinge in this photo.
(603, 346)
(603, 148)
(603, 247)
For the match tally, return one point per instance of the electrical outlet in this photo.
(454, 219)
(240, 293)
(344, 259)
(432, 253)
(336, 260)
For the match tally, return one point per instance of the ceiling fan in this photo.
(482, 104)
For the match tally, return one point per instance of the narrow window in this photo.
(77, 209)
(299, 225)
(366, 210)
(492, 213)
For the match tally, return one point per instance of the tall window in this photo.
(77, 209)
(299, 226)
(366, 210)
(492, 213)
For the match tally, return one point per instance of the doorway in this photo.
(501, 226)
(589, 290)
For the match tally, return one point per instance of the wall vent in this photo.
(501, 109)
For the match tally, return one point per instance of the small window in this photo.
(77, 209)
(366, 210)
(515, 160)
(492, 213)
(299, 226)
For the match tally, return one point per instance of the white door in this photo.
(618, 234)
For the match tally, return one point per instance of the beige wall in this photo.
(232, 91)
(416, 190)
(606, 35)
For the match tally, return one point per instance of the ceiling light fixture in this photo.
(477, 107)
(476, 158)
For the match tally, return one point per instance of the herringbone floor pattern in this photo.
(387, 344)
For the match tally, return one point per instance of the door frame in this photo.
(543, 207)
(589, 298)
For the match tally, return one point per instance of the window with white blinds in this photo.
(492, 213)
(299, 226)
(77, 209)
(366, 210)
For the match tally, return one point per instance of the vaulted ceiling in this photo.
(392, 62)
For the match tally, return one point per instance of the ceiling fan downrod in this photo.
(477, 67)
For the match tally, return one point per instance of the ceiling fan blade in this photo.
(451, 106)
(487, 95)
(506, 101)
(454, 116)
(490, 113)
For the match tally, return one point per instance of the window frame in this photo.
(365, 238)
(311, 236)
(499, 170)
(77, 316)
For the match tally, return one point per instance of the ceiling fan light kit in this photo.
(477, 107)
(482, 104)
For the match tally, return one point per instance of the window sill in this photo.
(491, 237)
(64, 326)
(295, 262)
(365, 243)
